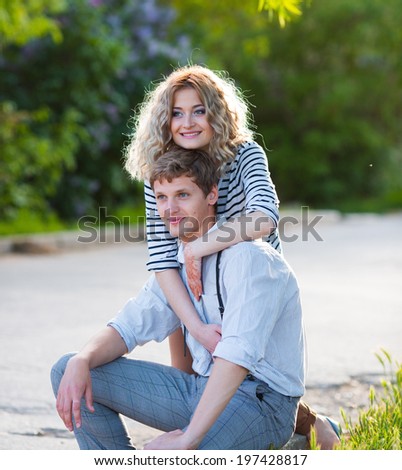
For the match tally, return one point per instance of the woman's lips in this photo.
(189, 135)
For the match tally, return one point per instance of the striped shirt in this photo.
(245, 187)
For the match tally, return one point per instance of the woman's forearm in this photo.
(223, 383)
(179, 300)
(246, 227)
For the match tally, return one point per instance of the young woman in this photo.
(197, 108)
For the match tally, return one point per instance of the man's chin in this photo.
(175, 232)
(183, 235)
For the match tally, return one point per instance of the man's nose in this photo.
(172, 206)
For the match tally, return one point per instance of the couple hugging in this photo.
(238, 386)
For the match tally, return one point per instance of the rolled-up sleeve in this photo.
(145, 318)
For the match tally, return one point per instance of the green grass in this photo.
(31, 222)
(389, 202)
(380, 426)
(27, 222)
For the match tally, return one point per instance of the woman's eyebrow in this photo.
(195, 106)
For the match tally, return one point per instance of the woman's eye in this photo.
(200, 111)
(176, 114)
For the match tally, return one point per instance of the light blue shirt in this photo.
(262, 327)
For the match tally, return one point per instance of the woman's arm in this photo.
(246, 227)
(223, 383)
(179, 300)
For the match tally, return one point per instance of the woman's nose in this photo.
(188, 120)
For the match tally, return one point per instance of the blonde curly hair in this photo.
(227, 112)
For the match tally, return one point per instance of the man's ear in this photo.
(213, 195)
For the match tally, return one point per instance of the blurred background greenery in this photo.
(325, 87)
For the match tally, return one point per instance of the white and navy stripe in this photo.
(245, 187)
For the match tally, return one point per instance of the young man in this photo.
(245, 396)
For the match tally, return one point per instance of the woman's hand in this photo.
(75, 384)
(193, 271)
(209, 335)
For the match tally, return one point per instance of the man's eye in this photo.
(183, 194)
(160, 197)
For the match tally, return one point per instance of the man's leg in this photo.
(152, 394)
(256, 418)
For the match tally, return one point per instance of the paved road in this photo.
(50, 304)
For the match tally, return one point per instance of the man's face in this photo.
(184, 208)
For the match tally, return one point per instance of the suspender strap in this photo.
(218, 289)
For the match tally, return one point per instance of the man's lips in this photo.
(175, 220)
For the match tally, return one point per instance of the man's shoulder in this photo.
(253, 260)
(248, 251)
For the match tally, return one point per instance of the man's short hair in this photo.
(194, 163)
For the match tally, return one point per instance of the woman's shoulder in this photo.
(249, 148)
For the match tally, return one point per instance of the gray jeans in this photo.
(165, 398)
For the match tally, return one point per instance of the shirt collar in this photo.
(180, 253)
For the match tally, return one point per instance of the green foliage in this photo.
(334, 92)
(28, 221)
(327, 93)
(22, 21)
(286, 10)
(32, 162)
(66, 105)
(379, 427)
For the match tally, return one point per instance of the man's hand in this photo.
(193, 271)
(75, 384)
(174, 440)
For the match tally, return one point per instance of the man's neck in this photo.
(205, 228)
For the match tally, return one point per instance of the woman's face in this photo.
(189, 125)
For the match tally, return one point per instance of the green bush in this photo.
(66, 105)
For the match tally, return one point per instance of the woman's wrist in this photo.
(194, 249)
(195, 327)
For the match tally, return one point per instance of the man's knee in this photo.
(57, 371)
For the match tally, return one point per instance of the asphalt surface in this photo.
(350, 275)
